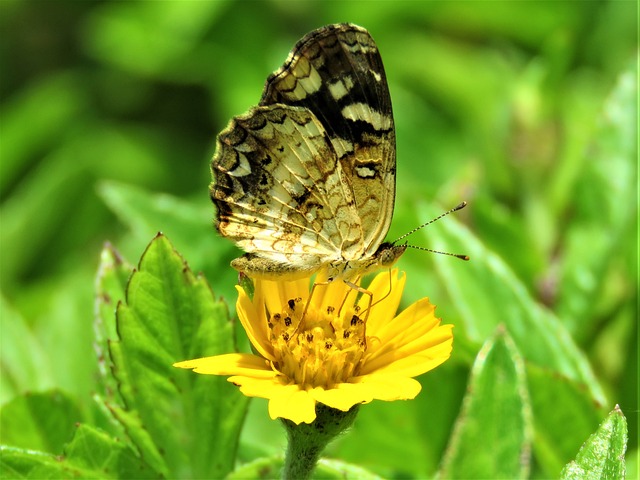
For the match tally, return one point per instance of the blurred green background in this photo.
(108, 122)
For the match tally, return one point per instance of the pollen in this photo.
(317, 347)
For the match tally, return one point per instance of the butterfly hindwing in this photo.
(279, 188)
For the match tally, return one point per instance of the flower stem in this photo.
(307, 440)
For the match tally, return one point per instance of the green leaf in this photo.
(492, 436)
(633, 463)
(22, 358)
(606, 211)
(91, 454)
(40, 421)
(538, 334)
(138, 436)
(602, 455)
(38, 238)
(93, 450)
(188, 225)
(271, 467)
(410, 441)
(49, 343)
(146, 213)
(170, 30)
(262, 468)
(185, 424)
(17, 463)
(111, 283)
(336, 469)
(558, 400)
(49, 106)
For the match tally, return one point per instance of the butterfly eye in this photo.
(388, 254)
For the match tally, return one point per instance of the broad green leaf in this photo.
(602, 455)
(48, 107)
(111, 282)
(606, 212)
(336, 469)
(141, 439)
(558, 400)
(188, 225)
(49, 343)
(91, 454)
(22, 358)
(492, 436)
(60, 192)
(170, 30)
(396, 440)
(262, 468)
(407, 439)
(171, 315)
(268, 468)
(146, 212)
(93, 450)
(39, 421)
(16, 463)
(554, 362)
(487, 293)
(633, 464)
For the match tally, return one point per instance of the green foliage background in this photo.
(528, 110)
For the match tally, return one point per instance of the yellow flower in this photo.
(334, 350)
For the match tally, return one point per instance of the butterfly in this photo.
(305, 180)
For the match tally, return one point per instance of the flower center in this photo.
(317, 348)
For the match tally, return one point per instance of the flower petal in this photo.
(417, 364)
(389, 387)
(253, 319)
(265, 387)
(230, 364)
(285, 401)
(411, 323)
(343, 396)
(366, 388)
(325, 293)
(266, 298)
(393, 351)
(292, 403)
(387, 288)
(276, 293)
(414, 358)
(412, 343)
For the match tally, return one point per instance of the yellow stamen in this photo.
(316, 347)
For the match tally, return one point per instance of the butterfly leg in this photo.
(386, 294)
(313, 289)
(364, 291)
(308, 302)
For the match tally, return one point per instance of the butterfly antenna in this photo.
(457, 255)
(454, 209)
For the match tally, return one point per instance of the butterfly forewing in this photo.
(337, 73)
